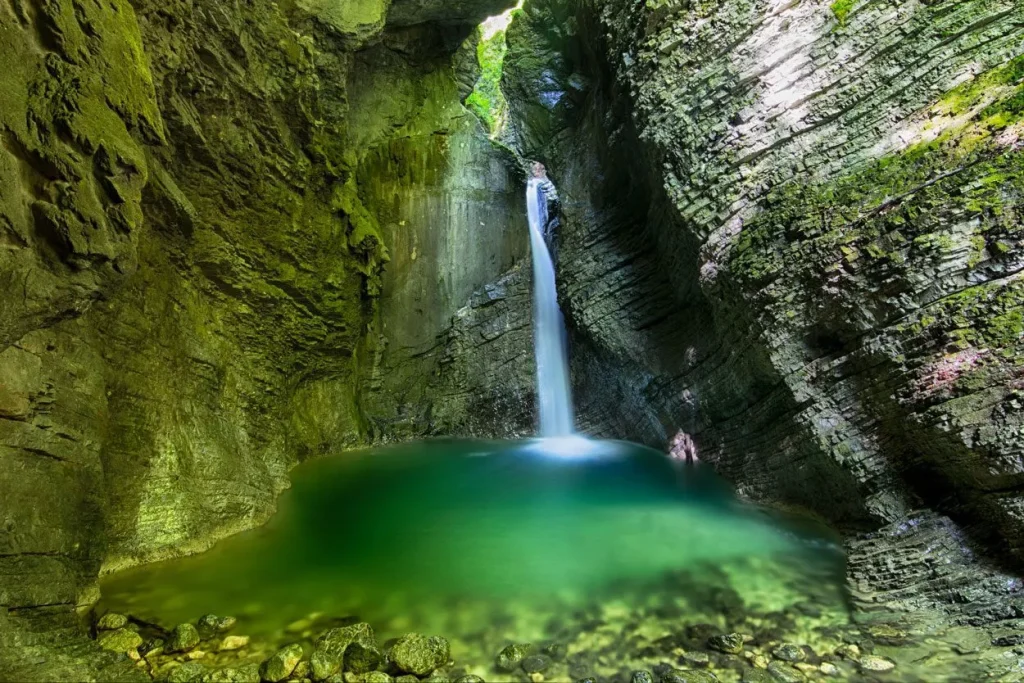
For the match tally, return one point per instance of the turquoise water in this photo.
(484, 541)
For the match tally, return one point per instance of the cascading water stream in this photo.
(548, 326)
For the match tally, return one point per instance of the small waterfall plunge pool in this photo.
(608, 559)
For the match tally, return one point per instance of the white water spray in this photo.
(548, 326)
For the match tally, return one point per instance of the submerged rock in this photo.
(189, 672)
(111, 621)
(536, 664)
(642, 677)
(784, 673)
(788, 652)
(183, 638)
(510, 658)
(688, 676)
(281, 664)
(121, 640)
(246, 673)
(361, 658)
(233, 643)
(729, 643)
(469, 678)
(876, 664)
(697, 660)
(211, 625)
(418, 654)
(329, 649)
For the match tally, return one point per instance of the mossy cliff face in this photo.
(195, 261)
(793, 234)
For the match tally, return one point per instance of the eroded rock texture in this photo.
(191, 272)
(793, 233)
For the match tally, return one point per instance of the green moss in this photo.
(487, 100)
(842, 9)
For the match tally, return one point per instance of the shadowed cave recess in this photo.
(244, 243)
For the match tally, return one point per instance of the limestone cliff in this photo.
(195, 215)
(794, 233)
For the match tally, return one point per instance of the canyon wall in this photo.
(197, 203)
(793, 235)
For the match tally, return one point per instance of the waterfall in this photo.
(554, 396)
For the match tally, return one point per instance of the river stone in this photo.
(642, 677)
(111, 621)
(784, 673)
(189, 672)
(211, 625)
(876, 664)
(511, 656)
(233, 643)
(729, 643)
(697, 660)
(329, 649)
(121, 640)
(556, 650)
(788, 652)
(361, 658)
(183, 638)
(417, 654)
(688, 676)
(407, 678)
(755, 675)
(152, 647)
(469, 678)
(281, 664)
(536, 664)
(246, 673)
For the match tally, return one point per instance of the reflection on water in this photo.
(488, 542)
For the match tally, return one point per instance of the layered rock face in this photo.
(195, 202)
(793, 233)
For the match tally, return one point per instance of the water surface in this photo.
(491, 542)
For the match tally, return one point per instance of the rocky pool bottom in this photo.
(469, 561)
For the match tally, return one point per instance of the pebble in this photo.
(190, 672)
(510, 657)
(696, 660)
(788, 652)
(246, 673)
(688, 676)
(121, 640)
(848, 651)
(281, 664)
(233, 643)
(642, 677)
(729, 643)
(417, 654)
(361, 658)
(183, 638)
(111, 621)
(536, 664)
(829, 669)
(784, 673)
(209, 625)
(469, 678)
(876, 664)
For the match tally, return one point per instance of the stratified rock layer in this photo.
(192, 271)
(792, 244)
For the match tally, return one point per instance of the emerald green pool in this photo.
(492, 542)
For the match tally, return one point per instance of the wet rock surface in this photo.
(802, 634)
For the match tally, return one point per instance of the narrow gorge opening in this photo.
(269, 382)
